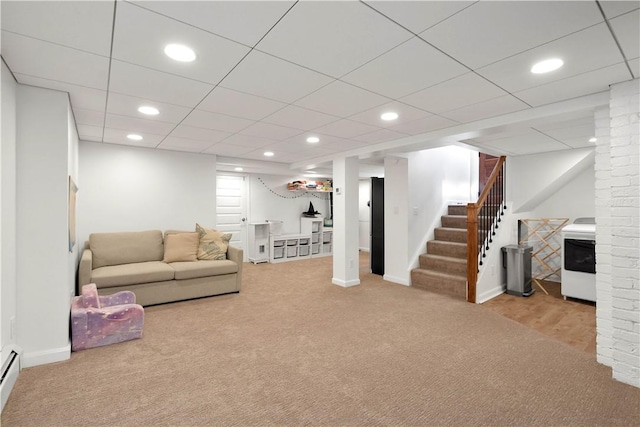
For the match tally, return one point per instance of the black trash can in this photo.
(516, 259)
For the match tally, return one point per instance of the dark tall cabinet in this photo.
(377, 226)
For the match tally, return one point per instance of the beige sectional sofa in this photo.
(135, 261)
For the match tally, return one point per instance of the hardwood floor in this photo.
(572, 321)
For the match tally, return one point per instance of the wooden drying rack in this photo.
(542, 234)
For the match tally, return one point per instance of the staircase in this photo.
(443, 268)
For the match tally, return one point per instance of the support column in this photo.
(346, 270)
(396, 220)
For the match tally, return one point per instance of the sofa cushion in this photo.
(213, 243)
(181, 247)
(192, 270)
(132, 274)
(126, 247)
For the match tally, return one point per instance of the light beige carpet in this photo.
(292, 349)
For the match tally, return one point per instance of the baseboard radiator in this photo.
(10, 371)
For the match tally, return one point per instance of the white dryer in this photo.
(579, 261)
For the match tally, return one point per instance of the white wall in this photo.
(270, 200)
(396, 221)
(44, 282)
(8, 287)
(437, 177)
(364, 215)
(132, 189)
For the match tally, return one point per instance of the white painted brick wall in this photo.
(618, 280)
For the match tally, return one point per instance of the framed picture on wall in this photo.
(73, 190)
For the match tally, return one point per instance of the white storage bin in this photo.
(292, 251)
(315, 249)
(278, 243)
(303, 251)
(326, 248)
(326, 237)
(304, 241)
(278, 253)
(315, 238)
(292, 242)
(315, 227)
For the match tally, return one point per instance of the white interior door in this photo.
(231, 210)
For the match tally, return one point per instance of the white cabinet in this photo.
(289, 247)
(258, 242)
(321, 236)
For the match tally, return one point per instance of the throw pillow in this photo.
(181, 247)
(213, 243)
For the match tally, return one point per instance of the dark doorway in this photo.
(377, 225)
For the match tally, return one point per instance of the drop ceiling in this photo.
(268, 74)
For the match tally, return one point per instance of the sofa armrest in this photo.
(236, 255)
(84, 270)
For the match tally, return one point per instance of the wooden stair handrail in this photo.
(473, 211)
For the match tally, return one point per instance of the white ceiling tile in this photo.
(482, 110)
(527, 144)
(418, 15)
(346, 128)
(119, 136)
(587, 83)
(128, 106)
(243, 21)
(140, 37)
(580, 122)
(89, 133)
(263, 75)
(88, 117)
(138, 125)
(247, 141)
(223, 149)
(341, 99)
(615, 8)
(584, 51)
(332, 37)
(184, 144)
(80, 96)
(406, 113)
(269, 131)
(425, 125)
(238, 104)
(299, 118)
(579, 142)
(81, 25)
(627, 30)
(407, 68)
(456, 93)
(500, 29)
(510, 133)
(382, 135)
(635, 67)
(37, 58)
(200, 134)
(207, 120)
(132, 80)
(583, 132)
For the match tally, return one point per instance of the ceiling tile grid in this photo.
(268, 74)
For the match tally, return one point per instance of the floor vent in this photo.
(10, 370)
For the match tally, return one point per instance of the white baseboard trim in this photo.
(398, 280)
(491, 293)
(46, 356)
(345, 284)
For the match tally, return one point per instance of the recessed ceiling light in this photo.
(547, 66)
(268, 153)
(149, 111)
(180, 52)
(593, 139)
(313, 139)
(238, 169)
(389, 116)
(309, 171)
(134, 137)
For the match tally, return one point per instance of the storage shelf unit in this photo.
(321, 236)
(289, 247)
(258, 242)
